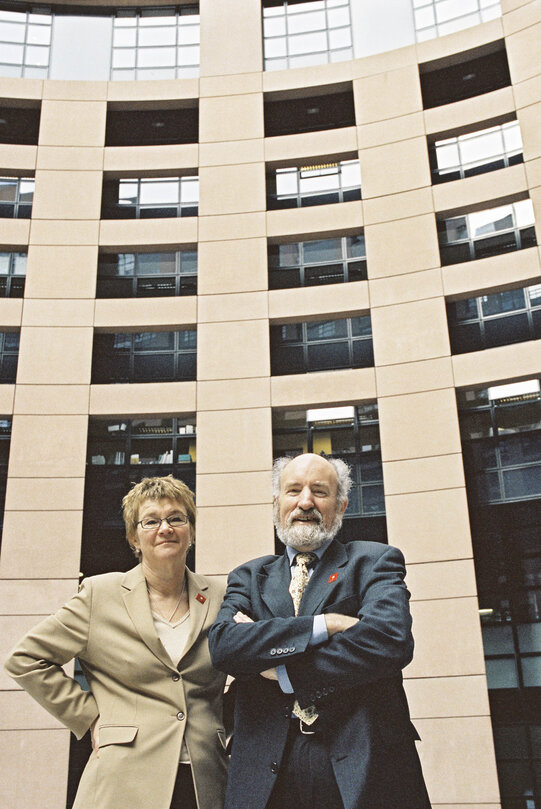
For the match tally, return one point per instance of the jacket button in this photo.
(318, 694)
(273, 651)
(180, 716)
(279, 651)
(274, 767)
(175, 678)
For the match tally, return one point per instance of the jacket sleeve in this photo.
(36, 663)
(377, 647)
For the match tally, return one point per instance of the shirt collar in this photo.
(292, 552)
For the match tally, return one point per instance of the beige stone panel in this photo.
(31, 596)
(419, 425)
(70, 158)
(523, 16)
(239, 532)
(430, 526)
(135, 313)
(400, 247)
(139, 399)
(227, 443)
(7, 393)
(239, 84)
(232, 152)
(398, 206)
(318, 146)
(231, 189)
(72, 123)
(238, 52)
(48, 494)
(233, 394)
(14, 231)
(447, 696)
(316, 220)
(324, 389)
(435, 580)
(449, 117)
(10, 312)
(233, 266)
(533, 173)
(20, 88)
(389, 94)
(64, 233)
(456, 648)
(235, 226)
(523, 53)
(52, 552)
(234, 350)
(231, 118)
(414, 377)
(494, 185)
(148, 159)
(528, 118)
(135, 233)
(55, 355)
(342, 300)
(527, 92)
(464, 40)
(51, 399)
(302, 77)
(18, 711)
(58, 312)
(391, 130)
(237, 306)
(505, 363)
(17, 157)
(454, 775)
(169, 90)
(383, 62)
(409, 332)
(406, 288)
(34, 768)
(423, 474)
(67, 195)
(394, 168)
(239, 489)
(48, 446)
(472, 278)
(57, 90)
(61, 272)
(511, 5)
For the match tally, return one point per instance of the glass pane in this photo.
(189, 189)
(322, 250)
(188, 35)
(361, 326)
(36, 55)
(523, 483)
(503, 302)
(341, 38)
(188, 55)
(303, 23)
(124, 58)
(338, 17)
(8, 190)
(373, 499)
(501, 673)
(274, 27)
(12, 54)
(124, 37)
(498, 640)
(529, 635)
(286, 181)
(155, 57)
(11, 32)
(154, 341)
(512, 137)
(38, 35)
(356, 246)
(188, 262)
(531, 671)
(351, 174)
(151, 451)
(275, 48)
(157, 36)
(154, 263)
(159, 192)
(307, 43)
(326, 329)
(187, 339)
(328, 356)
(149, 367)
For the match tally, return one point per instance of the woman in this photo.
(155, 702)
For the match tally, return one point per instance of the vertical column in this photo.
(39, 566)
(426, 505)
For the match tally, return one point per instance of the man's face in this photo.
(306, 513)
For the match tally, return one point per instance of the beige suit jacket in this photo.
(145, 707)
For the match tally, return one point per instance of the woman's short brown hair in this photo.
(155, 489)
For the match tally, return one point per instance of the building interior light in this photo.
(513, 389)
(329, 414)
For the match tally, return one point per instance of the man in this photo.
(317, 639)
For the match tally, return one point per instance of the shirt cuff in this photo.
(319, 631)
(283, 680)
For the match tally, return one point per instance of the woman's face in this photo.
(163, 543)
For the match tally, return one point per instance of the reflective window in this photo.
(16, 196)
(147, 441)
(320, 184)
(444, 83)
(25, 42)
(147, 275)
(9, 355)
(150, 197)
(5, 438)
(485, 233)
(435, 18)
(12, 274)
(321, 261)
(477, 152)
(144, 357)
(304, 34)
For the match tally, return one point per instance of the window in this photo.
(320, 184)
(321, 261)
(156, 43)
(435, 18)
(146, 441)
(476, 153)
(150, 197)
(308, 33)
(151, 127)
(19, 124)
(309, 114)
(147, 275)
(444, 82)
(25, 42)
(12, 274)
(495, 320)
(9, 355)
(5, 438)
(163, 356)
(490, 232)
(16, 195)
(352, 434)
(321, 345)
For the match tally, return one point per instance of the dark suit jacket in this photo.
(354, 679)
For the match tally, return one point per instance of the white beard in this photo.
(305, 535)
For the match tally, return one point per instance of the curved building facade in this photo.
(240, 230)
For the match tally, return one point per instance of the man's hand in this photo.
(339, 623)
(241, 618)
(95, 734)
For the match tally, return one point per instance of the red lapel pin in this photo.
(333, 577)
(200, 598)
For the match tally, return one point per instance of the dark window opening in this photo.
(16, 197)
(19, 124)
(334, 260)
(150, 197)
(144, 127)
(318, 184)
(309, 114)
(147, 275)
(12, 274)
(465, 79)
(164, 356)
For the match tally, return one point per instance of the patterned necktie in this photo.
(299, 580)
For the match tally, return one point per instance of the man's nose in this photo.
(306, 500)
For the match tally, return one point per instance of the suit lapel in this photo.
(274, 587)
(198, 602)
(321, 583)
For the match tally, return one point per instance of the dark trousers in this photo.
(184, 793)
(306, 778)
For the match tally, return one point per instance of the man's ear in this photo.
(344, 506)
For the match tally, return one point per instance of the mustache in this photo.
(312, 513)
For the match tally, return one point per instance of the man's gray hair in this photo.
(343, 474)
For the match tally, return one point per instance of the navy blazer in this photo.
(354, 679)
